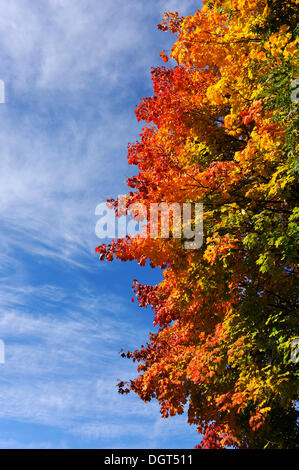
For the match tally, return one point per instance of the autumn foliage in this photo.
(221, 129)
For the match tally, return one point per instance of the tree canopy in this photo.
(221, 129)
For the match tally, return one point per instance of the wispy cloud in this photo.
(54, 362)
(61, 371)
(14, 444)
(74, 72)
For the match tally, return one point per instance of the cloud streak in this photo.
(74, 72)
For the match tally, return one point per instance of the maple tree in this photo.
(221, 129)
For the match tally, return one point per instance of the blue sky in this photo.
(74, 71)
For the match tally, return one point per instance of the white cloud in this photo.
(70, 69)
(54, 363)
(61, 370)
(73, 72)
(14, 444)
(59, 44)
